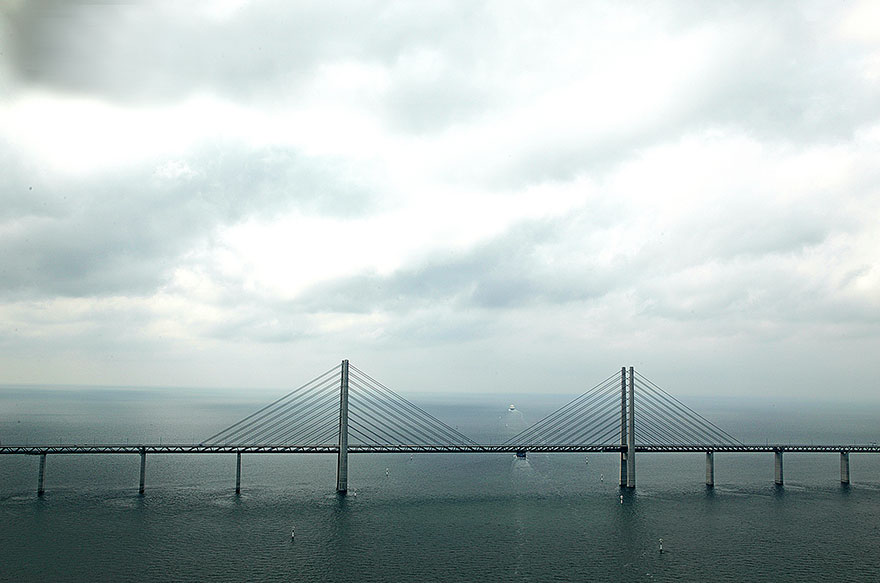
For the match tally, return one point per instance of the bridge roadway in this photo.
(402, 448)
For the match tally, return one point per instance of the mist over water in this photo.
(431, 517)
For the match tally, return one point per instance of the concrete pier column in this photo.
(342, 460)
(844, 467)
(623, 426)
(143, 470)
(710, 469)
(631, 433)
(238, 473)
(777, 454)
(40, 489)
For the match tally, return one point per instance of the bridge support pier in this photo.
(40, 490)
(238, 473)
(342, 460)
(143, 470)
(710, 469)
(777, 454)
(844, 467)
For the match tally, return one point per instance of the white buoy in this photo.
(621, 498)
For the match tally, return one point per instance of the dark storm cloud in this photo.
(125, 231)
(144, 51)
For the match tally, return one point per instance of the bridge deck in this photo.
(402, 448)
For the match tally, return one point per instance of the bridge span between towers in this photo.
(345, 411)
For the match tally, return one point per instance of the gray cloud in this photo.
(142, 51)
(506, 272)
(125, 232)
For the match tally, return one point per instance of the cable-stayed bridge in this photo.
(345, 411)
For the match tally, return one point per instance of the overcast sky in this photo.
(457, 196)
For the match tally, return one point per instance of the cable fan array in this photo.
(591, 418)
(379, 416)
(308, 415)
(661, 419)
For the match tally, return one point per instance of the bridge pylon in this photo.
(631, 433)
(623, 426)
(342, 459)
(627, 429)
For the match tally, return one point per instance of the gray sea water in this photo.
(429, 517)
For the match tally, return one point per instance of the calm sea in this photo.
(429, 517)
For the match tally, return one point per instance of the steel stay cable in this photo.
(558, 424)
(416, 424)
(417, 416)
(363, 439)
(310, 437)
(308, 422)
(653, 431)
(327, 435)
(600, 424)
(675, 432)
(561, 423)
(609, 437)
(458, 435)
(551, 417)
(294, 410)
(546, 431)
(703, 433)
(375, 421)
(298, 414)
(379, 414)
(380, 437)
(656, 428)
(240, 425)
(676, 413)
(561, 415)
(273, 403)
(257, 424)
(682, 429)
(412, 410)
(317, 418)
(380, 410)
(302, 412)
(590, 417)
(697, 415)
(356, 427)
